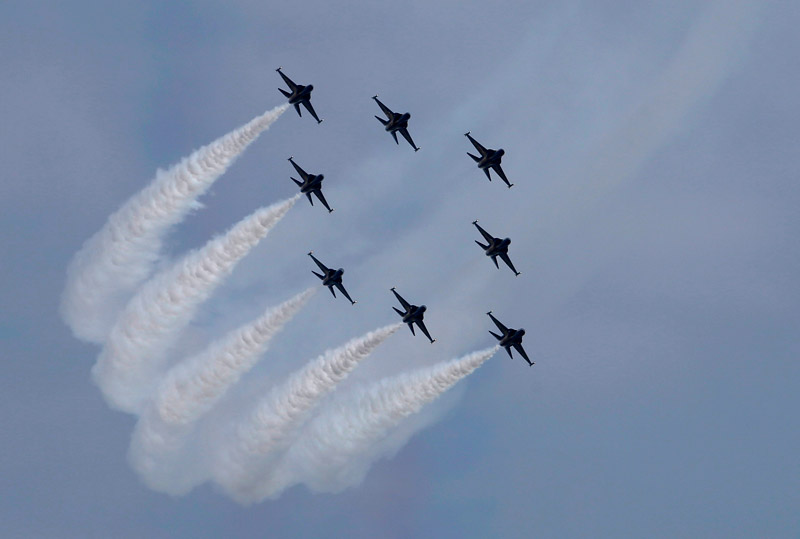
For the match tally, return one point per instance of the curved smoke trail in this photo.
(152, 320)
(121, 255)
(339, 445)
(275, 422)
(191, 389)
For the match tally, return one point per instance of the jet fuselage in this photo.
(313, 183)
(398, 122)
(498, 247)
(333, 277)
(492, 158)
(512, 337)
(302, 93)
(414, 314)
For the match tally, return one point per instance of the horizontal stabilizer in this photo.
(474, 157)
(284, 92)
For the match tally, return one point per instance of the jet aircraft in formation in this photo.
(298, 95)
(395, 122)
(413, 314)
(510, 337)
(489, 159)
(330, 277)
(312, 183)
(496, 247)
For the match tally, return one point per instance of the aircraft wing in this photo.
(343, 291)
(508, 262)
(386, 110)
(403, 302)
(406, 136)
(320, 265)
(477, 145)
(310, 108)
(424, 330)
(499, 170)
(287, 80)
(299, 170)
(497, 323)
(518, 348)
(488, 237)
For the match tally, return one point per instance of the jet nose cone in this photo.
(501, 151)
(310, 87)
(320, 177)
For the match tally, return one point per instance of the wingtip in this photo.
(490, 312)
(291, 157)
(375, 96)
(510, 185)
(416, 149)
(279, 68)
(331, 210)
(517, 273)
(475, 222)
(353, 302)
(392, 288)
(433, 341)
(467, 133)
(310, 253)
(320, 121)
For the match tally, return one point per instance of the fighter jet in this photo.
(510, 337)
(489, 159)
(312, 183)
(331, 278)
(497, 247)
(395, 122)
(298, 95)
(413, 315)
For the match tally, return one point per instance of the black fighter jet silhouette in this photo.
(497, 247)
(312, 183)
(331, 278)
(510, 337)
(413, 315)
(489, 159)
(298, 95)
(395, 122)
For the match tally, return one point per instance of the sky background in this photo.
(654, 219)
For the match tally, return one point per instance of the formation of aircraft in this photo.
(331, 278)
(298, 95)
(395, 122)
(413, 314)
(488, 160)
(495, 247)
(311, 184)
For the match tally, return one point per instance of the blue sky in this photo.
(654, 219)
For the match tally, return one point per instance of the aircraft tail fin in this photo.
(398, 311)
(297, 108)
(508, 349)
(317, 274)
(381, 120)
(299, 183)
(474, 157)
(332, 292)
(309, 198)
(495, 335)
(284, 92)
(484, 247)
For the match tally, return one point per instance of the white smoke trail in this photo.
(121, 255)
(152, 320)
(275, 422)
(191, 389)
(340, 445)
